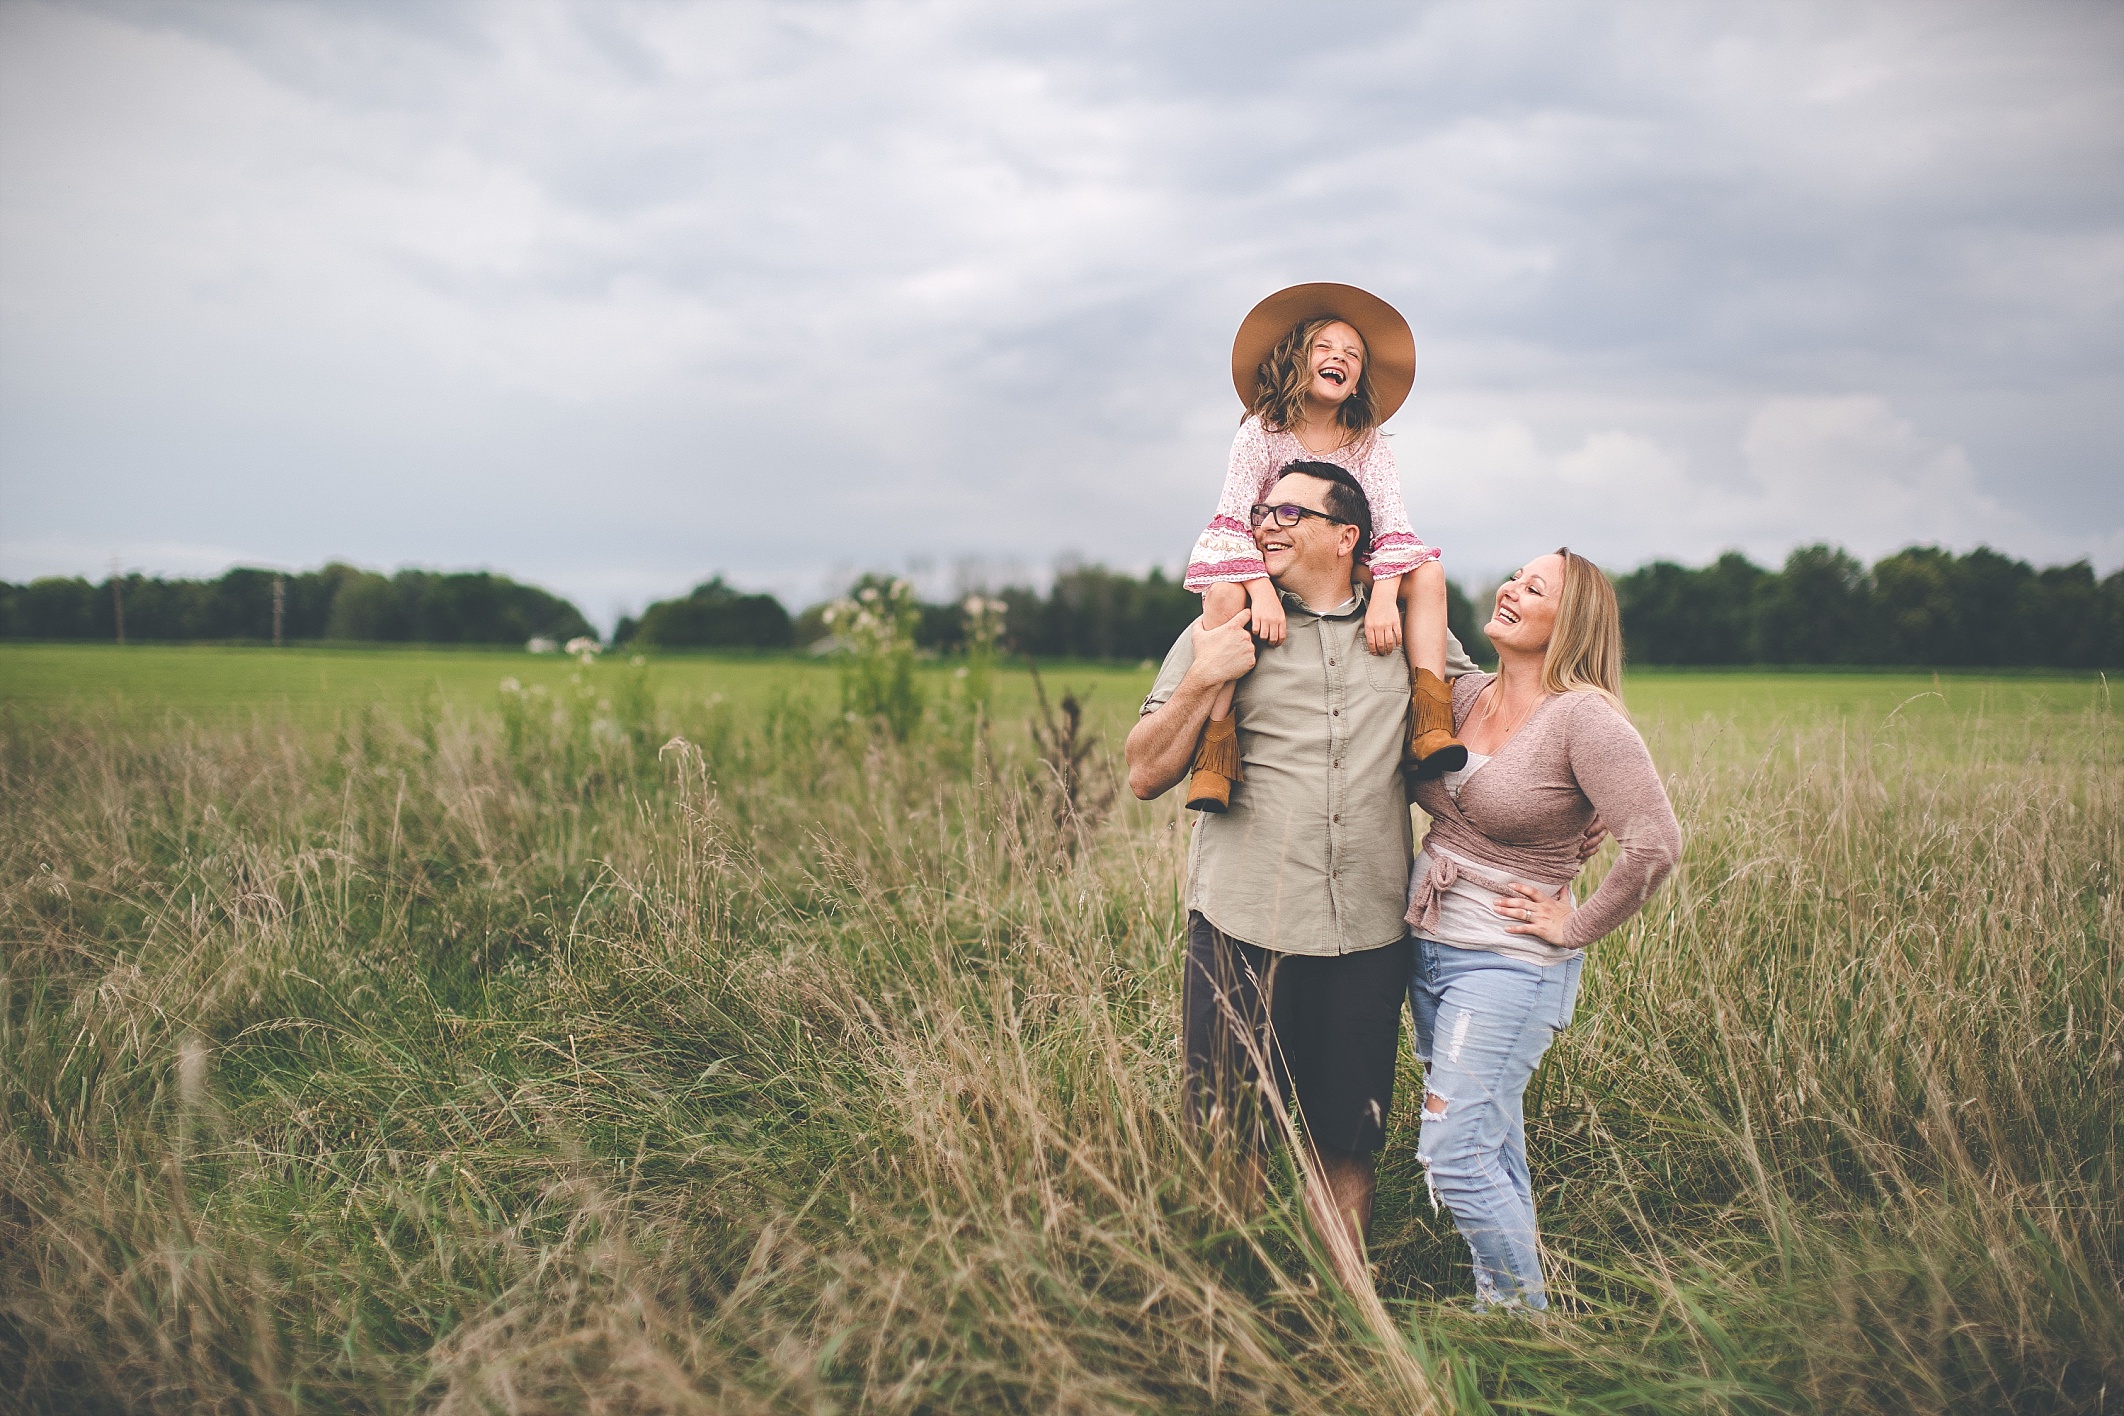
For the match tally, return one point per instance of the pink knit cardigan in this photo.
(1524, 812)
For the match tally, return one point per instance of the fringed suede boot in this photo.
(1433, 750)
(1216, 766)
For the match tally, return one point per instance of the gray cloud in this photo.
(613, 296)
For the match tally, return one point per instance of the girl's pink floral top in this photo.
(1226, 551)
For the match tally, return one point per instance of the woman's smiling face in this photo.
(1525, 612)
(1337, 358)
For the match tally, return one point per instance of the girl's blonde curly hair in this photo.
(1280, 383)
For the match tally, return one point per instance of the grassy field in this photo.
(312, 686)
(659, 1040)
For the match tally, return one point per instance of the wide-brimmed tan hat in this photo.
(1389, 347)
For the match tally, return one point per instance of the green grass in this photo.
(312, 684)
(374, 1040)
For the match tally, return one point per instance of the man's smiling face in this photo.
(1313, 545)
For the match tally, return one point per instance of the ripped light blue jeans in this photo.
(1483, 1021)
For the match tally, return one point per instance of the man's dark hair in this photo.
(1346, 500)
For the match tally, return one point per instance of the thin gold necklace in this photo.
(1489, 710)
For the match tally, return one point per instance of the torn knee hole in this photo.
(1434, 1106)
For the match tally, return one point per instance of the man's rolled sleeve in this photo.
(1178, 660)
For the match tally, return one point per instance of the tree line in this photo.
(1921, 605)
(338, 602)
(1089, 612)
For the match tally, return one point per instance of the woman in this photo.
(1499, 944)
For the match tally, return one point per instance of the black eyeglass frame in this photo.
(1289, 514)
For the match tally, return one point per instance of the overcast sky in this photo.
(612, 296)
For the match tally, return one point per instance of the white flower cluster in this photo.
(984, 621)
(583, 648)
(874, 622)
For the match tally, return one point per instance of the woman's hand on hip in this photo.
(1531, 912)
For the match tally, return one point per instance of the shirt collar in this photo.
(1352, 606)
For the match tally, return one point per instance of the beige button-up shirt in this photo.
(1313, 856)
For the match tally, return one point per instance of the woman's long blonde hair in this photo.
(1586, 643)
(1281, 381)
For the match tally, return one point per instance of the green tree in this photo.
(1466, 623)
(2067, 627)
(1095, 613)
(2111, 612)
(715, 615)
(1920, 614)
(1998, 601)
(57, 607)
(1674, 615)
(365, 607)
(1816, 610)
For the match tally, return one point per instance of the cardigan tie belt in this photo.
(1447, 871)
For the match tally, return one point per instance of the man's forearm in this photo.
(1162, 744)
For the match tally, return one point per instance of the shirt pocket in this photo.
(1388, 672)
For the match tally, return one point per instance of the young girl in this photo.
(1319, 368)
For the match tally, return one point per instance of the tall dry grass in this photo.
(469, 1062)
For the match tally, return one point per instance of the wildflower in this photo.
(510, 685)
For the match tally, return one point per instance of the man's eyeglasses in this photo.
(1288, 515)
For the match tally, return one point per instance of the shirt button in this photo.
(1334, 712)
(1338, 816)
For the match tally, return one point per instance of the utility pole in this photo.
(280, 605)
(117, 601)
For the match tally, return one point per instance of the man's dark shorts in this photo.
(1330, 1029)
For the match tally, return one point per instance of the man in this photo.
(1295, 895)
